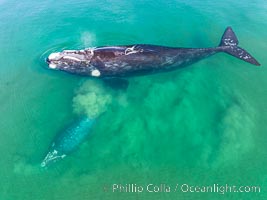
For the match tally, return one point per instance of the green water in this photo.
(203, 125)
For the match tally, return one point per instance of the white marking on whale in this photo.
(54, 56)
(95, 72)
(71, 58)
(130, 50)
(52, 66)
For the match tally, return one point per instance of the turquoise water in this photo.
(202, 125)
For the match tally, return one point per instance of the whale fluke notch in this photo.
(229, 44)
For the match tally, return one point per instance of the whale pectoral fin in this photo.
(116, 83)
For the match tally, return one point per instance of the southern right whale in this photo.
(68, 140)
(140, 59)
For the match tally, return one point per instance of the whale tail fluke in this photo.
(229, 44)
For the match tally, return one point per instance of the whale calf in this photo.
(140, 59)
(68, 140)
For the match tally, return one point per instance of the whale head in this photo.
(52, 157)
(71, 61)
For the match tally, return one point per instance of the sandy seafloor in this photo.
(201, 125)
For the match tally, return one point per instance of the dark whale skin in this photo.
(140, 59)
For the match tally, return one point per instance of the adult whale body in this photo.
(140, 59)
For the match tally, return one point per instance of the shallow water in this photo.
(202, 125)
